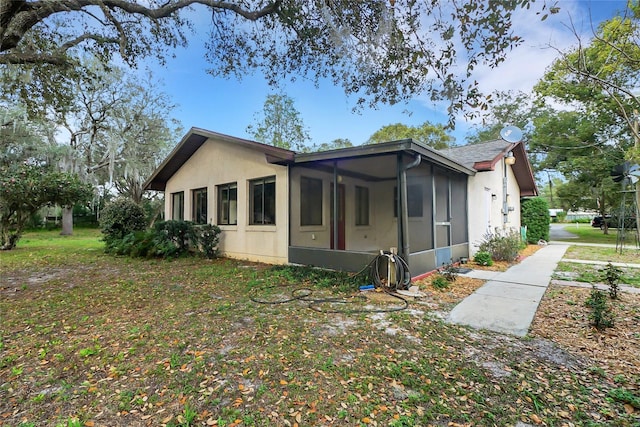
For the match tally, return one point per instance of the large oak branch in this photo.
(18, 17)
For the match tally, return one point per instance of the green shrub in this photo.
(612, 276)
(502, 247)
(483, 258)
(440, 282)
(449, 272)
(534, 214)
(118, 219)
(601, 315)
(181, 233)
(169, 239)
(208, 237)
(123, 225)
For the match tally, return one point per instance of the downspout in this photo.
(403, 212)
(334, 214)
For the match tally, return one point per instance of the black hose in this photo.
(401, 271)
(403, 277)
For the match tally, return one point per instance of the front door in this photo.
(341, 232)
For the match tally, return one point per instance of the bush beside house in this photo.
(125, 231)
(535, 216)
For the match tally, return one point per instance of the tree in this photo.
(25, 188)
(575, 144)
(333, 145)
(506, 108)
(116, 126)
(427, 133)
(22, 139)
(140, 135)
(603, 74)
(596, 83)
(380, 51)
(280, 124)
(548, 190)
(604, 71)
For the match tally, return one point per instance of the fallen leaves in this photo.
(159, 347)
(563, 318)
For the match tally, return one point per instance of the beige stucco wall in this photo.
(217, 163)
(485, 213)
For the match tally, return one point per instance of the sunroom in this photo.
(348, 205)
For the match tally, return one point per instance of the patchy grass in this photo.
(89, 339)
(596, 253)
(592, 273)
(588, 234)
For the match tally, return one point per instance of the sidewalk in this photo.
(508, 301)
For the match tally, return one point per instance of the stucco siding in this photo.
(217, 163)
(486, 197)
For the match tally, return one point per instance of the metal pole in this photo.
(505, 202)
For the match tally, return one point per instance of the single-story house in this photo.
(338, 209)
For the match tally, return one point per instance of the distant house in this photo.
(337, 209)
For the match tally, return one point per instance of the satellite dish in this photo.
(511, 134)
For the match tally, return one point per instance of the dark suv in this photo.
(613, 222)
(599, 223)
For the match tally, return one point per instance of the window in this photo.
(262, 201)
(177, 206)
(310, 201)
(228, 204)
(362, 205)
(199, 205)
(414, 200)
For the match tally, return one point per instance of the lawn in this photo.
(594, 273)
(95, 340)
(588, 234)
(603, 254)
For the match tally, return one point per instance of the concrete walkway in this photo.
(508, 301)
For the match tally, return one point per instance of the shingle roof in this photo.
(485, 152)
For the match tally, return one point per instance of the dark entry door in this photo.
(341, 225)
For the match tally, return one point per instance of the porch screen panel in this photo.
(415, 203)
(420, 227)
(442, 210)
(459, 232)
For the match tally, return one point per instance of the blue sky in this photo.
(228, 106)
